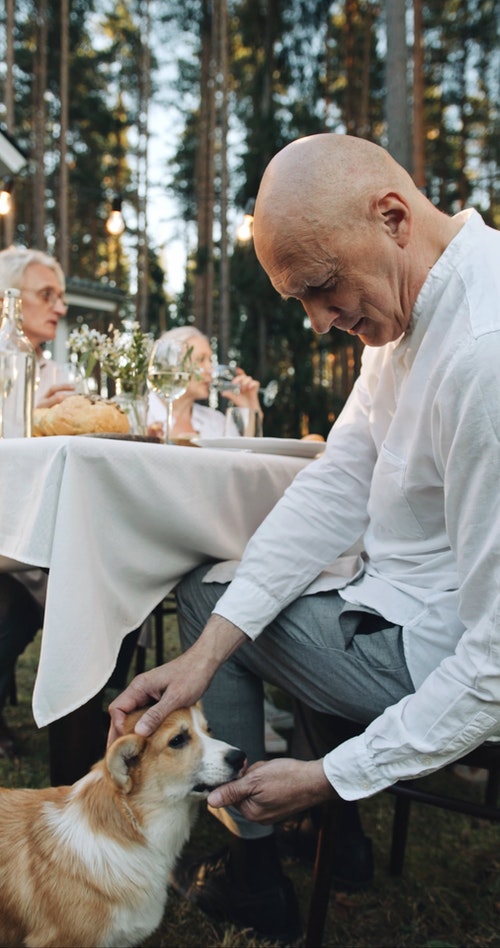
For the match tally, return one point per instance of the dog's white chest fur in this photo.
(87, 866)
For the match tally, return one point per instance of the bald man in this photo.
(400, 643)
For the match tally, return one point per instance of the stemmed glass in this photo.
(223, 377)
(169, 371)
(7, 379)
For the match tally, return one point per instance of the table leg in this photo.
(76, 741)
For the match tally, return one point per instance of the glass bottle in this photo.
(19, 361)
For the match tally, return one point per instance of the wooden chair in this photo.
(167, 606)
(486, 756)
(13, 689)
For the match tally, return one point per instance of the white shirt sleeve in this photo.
(320, 516)
(457, 706)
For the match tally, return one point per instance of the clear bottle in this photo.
(19, 358)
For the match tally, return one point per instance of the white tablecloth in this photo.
(117, 524)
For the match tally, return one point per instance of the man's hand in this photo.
(166, 687)
(178, 684)
(271, 790)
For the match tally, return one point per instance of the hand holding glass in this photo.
(224, 378)
(169, 372)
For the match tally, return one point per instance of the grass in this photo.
(449, 894)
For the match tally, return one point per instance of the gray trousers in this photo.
(333, 658)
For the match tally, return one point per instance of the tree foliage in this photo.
(295, 67)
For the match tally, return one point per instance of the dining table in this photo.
(117, 523)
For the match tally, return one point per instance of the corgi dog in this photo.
(88, 865)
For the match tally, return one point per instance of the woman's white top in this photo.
(208, 422)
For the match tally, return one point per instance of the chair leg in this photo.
(492, 787)
(158, 614)
(140, 659)
(399, 834)
(13, 690)
(322, 875)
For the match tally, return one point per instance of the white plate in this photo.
(293, 447)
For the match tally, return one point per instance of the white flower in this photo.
(123, 355)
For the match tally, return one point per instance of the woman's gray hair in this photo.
(15, 260)
(183, 334)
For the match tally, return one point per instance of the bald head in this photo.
(323, 182)
(342, 227)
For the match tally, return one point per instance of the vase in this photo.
(135, 406)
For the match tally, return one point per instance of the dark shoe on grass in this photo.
(210, 884)
(352, 863)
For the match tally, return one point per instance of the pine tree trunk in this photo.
(398, 132)
(142, 170)
(224, 328)
(418, 98)
(204, 183)
(40, 116)
(63, 236)
(9, 220)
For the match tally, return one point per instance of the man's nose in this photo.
(321, 318)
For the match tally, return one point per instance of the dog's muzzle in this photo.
(235, 761)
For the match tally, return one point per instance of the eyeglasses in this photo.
(48, 295)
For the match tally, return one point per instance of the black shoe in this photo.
(352, 863)
(209, 883)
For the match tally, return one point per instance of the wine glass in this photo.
(169, 371)
(74, 373)
(224, 376)
(7, 379)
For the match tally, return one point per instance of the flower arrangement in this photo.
(122, 354)
(85, 346)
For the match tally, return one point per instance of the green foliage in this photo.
(462, 64)
(296, 68)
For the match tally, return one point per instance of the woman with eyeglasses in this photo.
(41, 281)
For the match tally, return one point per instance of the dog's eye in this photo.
(179, 740)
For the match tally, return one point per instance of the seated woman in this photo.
(191, 418)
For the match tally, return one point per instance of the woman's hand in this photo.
(247, 395)
(56, 394)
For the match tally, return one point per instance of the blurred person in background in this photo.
(190, 417)
(41, 281)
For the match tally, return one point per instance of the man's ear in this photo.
(396, 215)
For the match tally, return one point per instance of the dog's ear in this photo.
(122, 757)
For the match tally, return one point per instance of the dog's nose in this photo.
(235, 758)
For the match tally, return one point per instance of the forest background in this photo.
(115, 103)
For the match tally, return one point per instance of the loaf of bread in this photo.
(80, 414)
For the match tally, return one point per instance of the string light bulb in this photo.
(115, 225)
(6, 196)
(244, 232)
